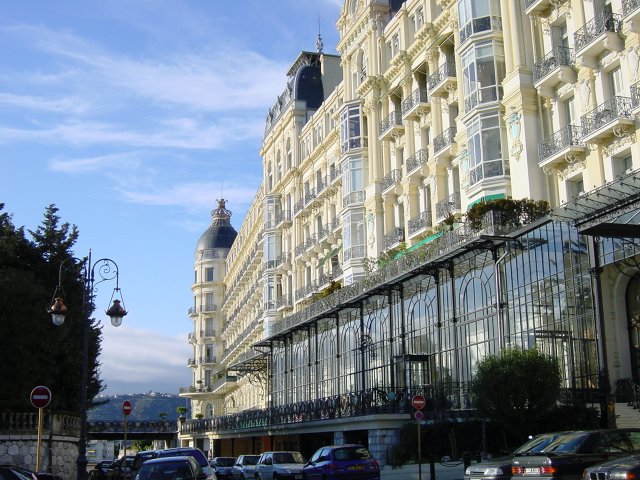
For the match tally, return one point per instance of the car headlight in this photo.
(622, 475)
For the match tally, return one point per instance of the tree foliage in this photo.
(517, 388)
(512, 212)
(33, 351)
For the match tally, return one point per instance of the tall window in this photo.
(478, 16)
(350, 131)
(616, 83)
(483, 70)
(208, 274)
(354, 235)
(484, 146)
(352, 181)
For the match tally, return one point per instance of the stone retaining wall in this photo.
(58, 454)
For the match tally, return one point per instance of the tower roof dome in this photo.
(221, 233)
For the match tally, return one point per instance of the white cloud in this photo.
(31, 102)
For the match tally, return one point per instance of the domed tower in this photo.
(208, 290)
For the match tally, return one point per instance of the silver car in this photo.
(283, 465)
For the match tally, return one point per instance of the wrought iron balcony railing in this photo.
(419, 95)
(593, 29)
(282, 217)
(566, 137)
(420, 221)
(391, 178)
(444, 139)
(394, 237)
(447, 206)
(613, 109)
(392, 120)
(446, 70)
(629, 6)
(552, 60)
(492, 93)
(421, 157)
(357, 251)
(284, 301)
(353, 198)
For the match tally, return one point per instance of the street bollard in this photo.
(432, 468)
(466, 458)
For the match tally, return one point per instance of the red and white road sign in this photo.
(126, 407)
(40, 397)
(418, 402)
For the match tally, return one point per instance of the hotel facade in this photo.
(355, 283)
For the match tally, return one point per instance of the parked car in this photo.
(567, 456)
(500, 468)
(171, 468)
(141, 457)
(624, 468)
(342, 462)
(12, 472)
(188, 451)
(99, 471)
(222, 467)
(245, 467)
(120, 468)
(284, 465)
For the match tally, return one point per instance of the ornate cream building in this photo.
(431, 107)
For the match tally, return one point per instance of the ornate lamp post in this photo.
(106, 269)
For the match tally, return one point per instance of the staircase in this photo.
(627, 416)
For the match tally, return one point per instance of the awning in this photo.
(332, 252)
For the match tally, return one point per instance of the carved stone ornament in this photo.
(633, 58)
(572, 169)
(371, 231)
(513, 122)
(463, 162)
(585, 94)
(565, 89)
(619, 143)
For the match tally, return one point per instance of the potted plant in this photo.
(181, 413)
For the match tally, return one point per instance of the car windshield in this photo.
(197, 454)
(225, 462)
(539, 443)
(351, 453)
(288, 457)
(252, 460)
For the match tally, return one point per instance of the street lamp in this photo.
(106, 269)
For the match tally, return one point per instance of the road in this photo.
(446, 471)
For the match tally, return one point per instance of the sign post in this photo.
(126, 410)
(418, 402)
(40, 399)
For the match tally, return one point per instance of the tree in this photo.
(517, 389)
(33, 351)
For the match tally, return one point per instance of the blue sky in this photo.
(133, 117)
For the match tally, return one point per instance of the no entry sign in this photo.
(40, 397)
(418, 402)
(126, 407)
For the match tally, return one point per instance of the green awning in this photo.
(487, 198)
(422, 242)
(332, 252)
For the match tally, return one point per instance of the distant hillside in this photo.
(146, 406)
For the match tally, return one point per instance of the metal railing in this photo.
(391, 178)
(478, 25)
(392, 120)
(448, 205)
(444, 139)
(629, 6)
(446, 70)
(593, 29)
(613, 109)
(552, 60)
(394, 237)
(421, 157)
(352, 198)
(635, 93)
(419, 95)
(420, 221)
(492, 93)
(569, 136)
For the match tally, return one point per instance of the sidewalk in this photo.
(447, 471)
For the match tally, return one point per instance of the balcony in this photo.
(419, 222)
(393, 238)
(554, 68)
(598, 36)
(416, 105)
(299, 205)
(353, 198)
(481, 96)
(355, 252)
(192, 337)
(562, 147)
(417, 161)
(191, 362)
(478, 25)
(444, 146)
(449, 205)
(443, 80)
(631, 14)
(283, 218)
(539, 8)
(611, 118)
(283, 302)
(635, 96)
(391, 179)
(391, 126)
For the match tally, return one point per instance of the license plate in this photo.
(355, 467)
(298, 476)
(531, 471)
